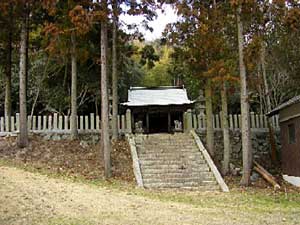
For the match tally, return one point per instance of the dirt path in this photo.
(29, 198)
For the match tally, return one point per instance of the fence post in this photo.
(44, 122)
(123, 123)
(81, 123)
(2, 124)
(195, 121)
(18, 121)
(39, 126)
(55, 121)
(257, 121)
(98, 122)
(231, 126)
(86, 122)
(128, 121)
(7, 123)
(29, 123)
(66, 122)
(92, 116)
(12, 123)
(252, 120)
(50, 125)
(217, 123)
(119, 124)
(33, 123)
(60, 122)
(188, 121)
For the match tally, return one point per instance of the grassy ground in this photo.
(35, 198)
(61, 182)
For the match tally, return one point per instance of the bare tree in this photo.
(114, 74)
(23, 135)
(226, 137)
(73, 122)
(209, 118)
(105, 142)
(245, 119)
(7, 105)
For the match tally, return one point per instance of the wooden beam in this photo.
(265, 174)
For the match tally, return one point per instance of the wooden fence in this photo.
(91, 123)
(61, 124)
(257, 121)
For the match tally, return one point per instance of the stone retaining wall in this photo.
(91, 138)
(260, 145)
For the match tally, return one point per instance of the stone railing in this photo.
(257, 121)
(55, 123)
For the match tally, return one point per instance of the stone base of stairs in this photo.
(173, 161)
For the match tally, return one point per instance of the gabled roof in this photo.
(292, 101)
(159, 96)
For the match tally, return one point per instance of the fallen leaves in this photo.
(70, 158)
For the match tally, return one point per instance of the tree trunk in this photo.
(114, 75)
(7, 104)
(39, 87)
(23, 135)
(245, 119)
(226, 137)
(209, 119)
(268, 102)
(73, 119)
(105, 142)
(264, 73)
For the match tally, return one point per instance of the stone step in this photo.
(210, 184)
(168, 145)
(180, 166)
(173, 144)
(183, 154)
(171, 158)
(170, 162)
(197, 188)
(168, 148)
(171, 154)
(185, 163)
(164, 136)
(169, 142)
(173, 170)
(182, 174)
(200, 180)
(213, 188)
(178, 140)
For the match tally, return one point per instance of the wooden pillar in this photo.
(169, 121)
(147, 123)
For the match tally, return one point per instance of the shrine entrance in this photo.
(157, 120)
(158, 110)
(159, 123)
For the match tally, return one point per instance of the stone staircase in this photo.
(173, 161)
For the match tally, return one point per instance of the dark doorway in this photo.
(158, 123)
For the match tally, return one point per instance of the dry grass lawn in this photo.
(33, 198)
(61, 182)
